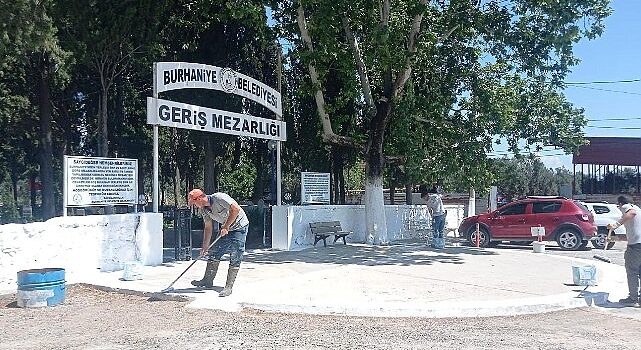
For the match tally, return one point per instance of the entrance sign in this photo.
(186, 116)
(100, 181)
(314, 188)
(183, 75)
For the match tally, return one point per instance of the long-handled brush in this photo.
(605, 247)
(171, 286)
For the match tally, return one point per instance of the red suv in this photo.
(567, 222)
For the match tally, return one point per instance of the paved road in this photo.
(615, 254)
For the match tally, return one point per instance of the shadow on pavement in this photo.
(402, 253)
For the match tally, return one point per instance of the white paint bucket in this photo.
(539, 247)
(132, 271)
(584, 275)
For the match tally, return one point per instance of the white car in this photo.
(604, 213)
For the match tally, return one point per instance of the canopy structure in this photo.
(606, 161)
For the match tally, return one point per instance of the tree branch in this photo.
(328, 134)
(360, 65)
(404, 75)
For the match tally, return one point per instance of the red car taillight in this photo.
(584, 216)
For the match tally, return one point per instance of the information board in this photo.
(315, 188)
(100, 181)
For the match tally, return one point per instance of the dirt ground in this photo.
(93, 318)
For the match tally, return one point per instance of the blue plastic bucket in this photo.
(41, 287)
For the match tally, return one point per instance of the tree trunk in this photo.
(408, 194)
(375, 221)
(341, 181)
(209, 185)
(177, 180)
(103, 147)
(14, 190)
(32, 189)
(263, 170)
(337, 170)
(392, 193)
(48, 208)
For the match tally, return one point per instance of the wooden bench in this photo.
(322, 230)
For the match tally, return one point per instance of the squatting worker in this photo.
(631, 219)
(220, 207)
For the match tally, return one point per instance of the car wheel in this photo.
(599, 243)
(484, 239)
(569, 239)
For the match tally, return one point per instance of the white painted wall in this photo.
(290, 224)
(79, 244)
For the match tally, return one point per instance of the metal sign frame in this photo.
(184, 75)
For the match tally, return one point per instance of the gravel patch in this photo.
(99, 318)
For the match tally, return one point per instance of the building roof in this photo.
(610, 151)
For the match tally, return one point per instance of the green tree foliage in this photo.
(528, 176)
(467, 70)
(32, 55)
(414, 90)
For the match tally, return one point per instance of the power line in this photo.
(608, 90)
(603, 82)
(614, 119)
(615, 127)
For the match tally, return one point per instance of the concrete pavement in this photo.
(404, 279)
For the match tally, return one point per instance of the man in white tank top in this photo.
(631, 219)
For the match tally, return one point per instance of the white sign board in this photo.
(184, 75)
(185, 116)
(537, 231)
(315, 188)
(100, 181)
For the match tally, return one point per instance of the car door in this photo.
(511, 221)
(547, 214)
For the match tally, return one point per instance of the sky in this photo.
(614, 56)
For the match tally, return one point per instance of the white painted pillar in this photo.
(471, 206)
(493, 194)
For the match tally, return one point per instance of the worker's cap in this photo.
(194, 195)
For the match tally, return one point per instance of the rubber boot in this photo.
(231, 277)
(210, 273)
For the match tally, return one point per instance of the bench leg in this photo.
(318, 238)
(344, 242)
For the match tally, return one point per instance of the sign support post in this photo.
(278, 144)
(155, 128)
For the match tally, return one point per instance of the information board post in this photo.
(64, 189)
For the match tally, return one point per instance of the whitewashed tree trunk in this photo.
(375, 221)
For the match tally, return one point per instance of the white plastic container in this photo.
(584, 275)
(539, 247)
(132, 271)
